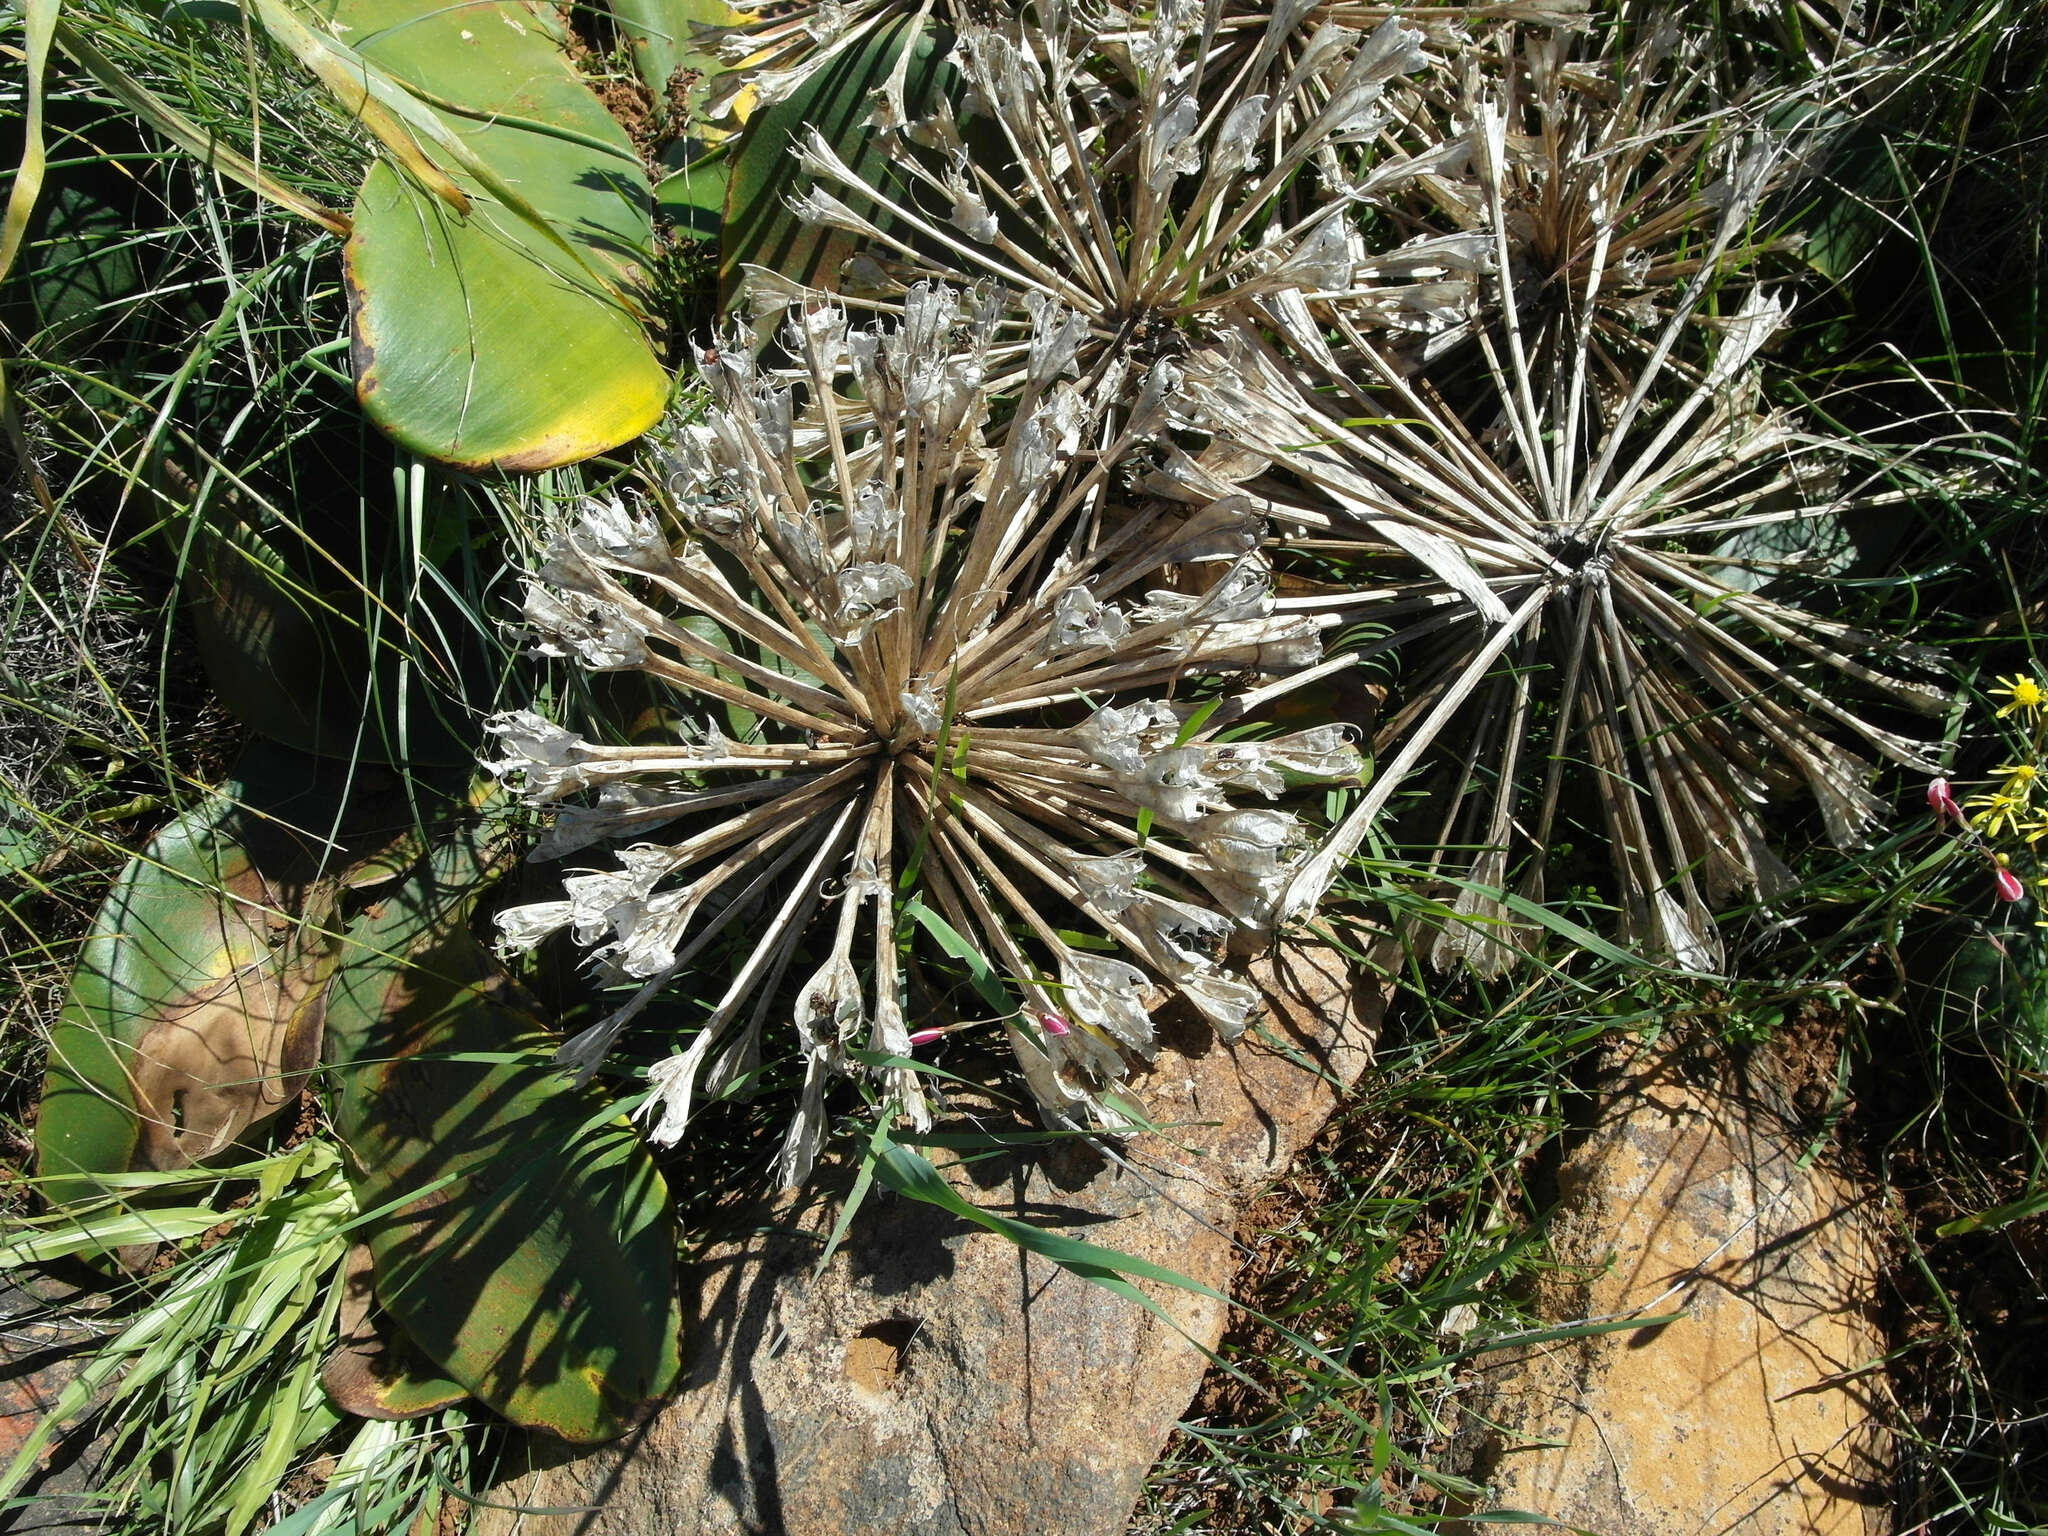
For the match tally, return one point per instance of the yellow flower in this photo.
(2019, 780)
(1995, 813)
(2023, 694)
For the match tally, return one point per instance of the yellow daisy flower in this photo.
(2020, 779)
(2023, 694)
(1995, 813)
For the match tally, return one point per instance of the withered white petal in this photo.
(943, 698)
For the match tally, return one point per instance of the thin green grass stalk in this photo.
(205, 1386)
(1408, 1258)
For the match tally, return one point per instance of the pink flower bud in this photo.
(1943, 803)
(1053, 1024)
(2008, 884)
(925, 1036)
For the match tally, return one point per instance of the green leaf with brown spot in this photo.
(195, 1010)
(519, 1230)
(370, 1374)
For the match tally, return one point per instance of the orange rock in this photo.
(1758, 1412)
(938, 1381)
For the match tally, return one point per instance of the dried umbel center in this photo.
(1582, 590)
(1128, 185)
(985, 697)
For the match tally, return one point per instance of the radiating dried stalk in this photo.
(1595, 612)
(961, 687)
(1468, 309)
(1606, 161)
(1134, 200)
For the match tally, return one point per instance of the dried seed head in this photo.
(960, 676)
(1582, 587)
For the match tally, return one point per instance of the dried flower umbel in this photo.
(1576, 588)
(1139, 197)
(977, 678)
(1604, 159)
(1571, 561)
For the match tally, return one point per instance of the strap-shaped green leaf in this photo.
(494, 283)
(519, 1230)
(836, 100)
(662, 38)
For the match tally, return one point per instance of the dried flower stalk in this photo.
(964, 687)
(1141, 198)
(1581, 580)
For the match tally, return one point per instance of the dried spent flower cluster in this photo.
(1193, 335)
(961, 688)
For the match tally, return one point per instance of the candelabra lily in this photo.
(1603, 163)
(1580, 572)
(1129, 205)
(984, 688)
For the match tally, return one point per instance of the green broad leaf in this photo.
(1857, 202)
(662, 36)
(760, 230)
(86, 263)
(21, 848)
(508, 333)
(519, 1231)
(1974, 985)
(1754, 557)
(194, 1011)
(372, 1375)
(473, 345)
(405, 1388)
(499, 81)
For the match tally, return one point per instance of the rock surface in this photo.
(935, 1380)
(1757, 1413)
(47, 1334)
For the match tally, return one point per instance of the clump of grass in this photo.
(172, 369)
(1406, 1247)
(203, 1395)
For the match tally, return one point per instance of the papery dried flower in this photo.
(1610, 167)
(1128, 207)
(1585, 578)
(929, 642)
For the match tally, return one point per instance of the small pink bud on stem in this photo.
(1053, 1024)
(1942, 802)
(925, 1036)
(2007, 884)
